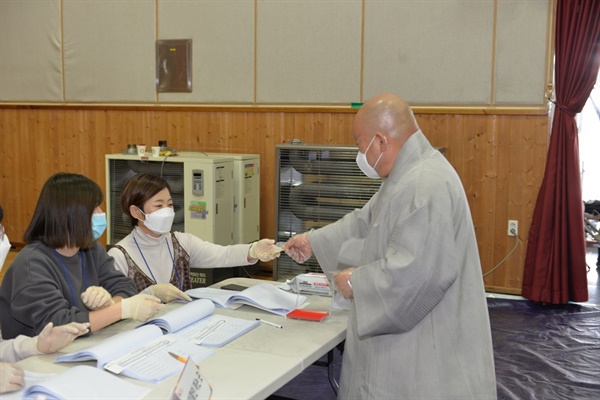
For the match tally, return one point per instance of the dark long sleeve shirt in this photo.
(37, 289)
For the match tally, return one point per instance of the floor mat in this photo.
(540, 352)
(545, 352)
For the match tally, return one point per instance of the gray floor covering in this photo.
(540, 352)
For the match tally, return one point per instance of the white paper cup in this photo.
(155, 151)
(141, 148)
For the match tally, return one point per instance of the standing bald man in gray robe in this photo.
(418, 327)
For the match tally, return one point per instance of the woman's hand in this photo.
(96, 298)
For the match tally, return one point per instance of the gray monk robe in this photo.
(419, 326)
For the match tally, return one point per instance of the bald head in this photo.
(381, 127)
(389, 114)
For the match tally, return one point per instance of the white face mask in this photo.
(4, 249)
(363, 164)
(160, 221)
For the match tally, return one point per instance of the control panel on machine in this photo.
(198, 182)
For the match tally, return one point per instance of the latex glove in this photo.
(140, 307)
(52, 339)
(11, 377)
(264, 250)
(342, 282)
(166, 292)
(298, 247)
(96, 298)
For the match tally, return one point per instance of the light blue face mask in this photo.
(98, 224)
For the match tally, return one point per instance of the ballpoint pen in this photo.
(179, 358)
(269, 323)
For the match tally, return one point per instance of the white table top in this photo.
(252, 366)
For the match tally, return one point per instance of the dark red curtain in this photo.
(555, 269)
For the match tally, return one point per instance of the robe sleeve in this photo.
(395, 293)
(327, 242)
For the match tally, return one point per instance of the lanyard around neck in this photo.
(67, 274)
(179, 285)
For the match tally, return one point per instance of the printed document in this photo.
(197, 322)
(263, 296)
(141, 353)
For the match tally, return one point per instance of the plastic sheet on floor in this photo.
(540, 352)
(545, 352)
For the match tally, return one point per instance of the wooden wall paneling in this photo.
(11, 173)
(343, 126)
(481, 133)
(106, 129)
(288, 128)
(302, 130)
(533, 160)
(238, 129)
(231, 132)
(317, 129)
(217, 131)
(500, 159)
(503, 243)
(229, 141)
(177, 138)
(518, 135)
(72, 139)
(42, 146)
(267, 138)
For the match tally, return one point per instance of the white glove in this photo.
(96, 298)
(140, 307)
(298, 248)
(166, 292)
(264, 250)
(11, 377)
(52, 339)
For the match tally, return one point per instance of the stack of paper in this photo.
(263, 296)
(82, 382)
(145, 352)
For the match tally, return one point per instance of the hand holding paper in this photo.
(298, 247)
(264, 250)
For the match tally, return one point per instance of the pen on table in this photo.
(175, 356)
(269, 323)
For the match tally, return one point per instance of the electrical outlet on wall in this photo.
(513, 227)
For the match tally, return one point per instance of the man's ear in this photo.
(382, 140)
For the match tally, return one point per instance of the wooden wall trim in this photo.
(312, 108)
